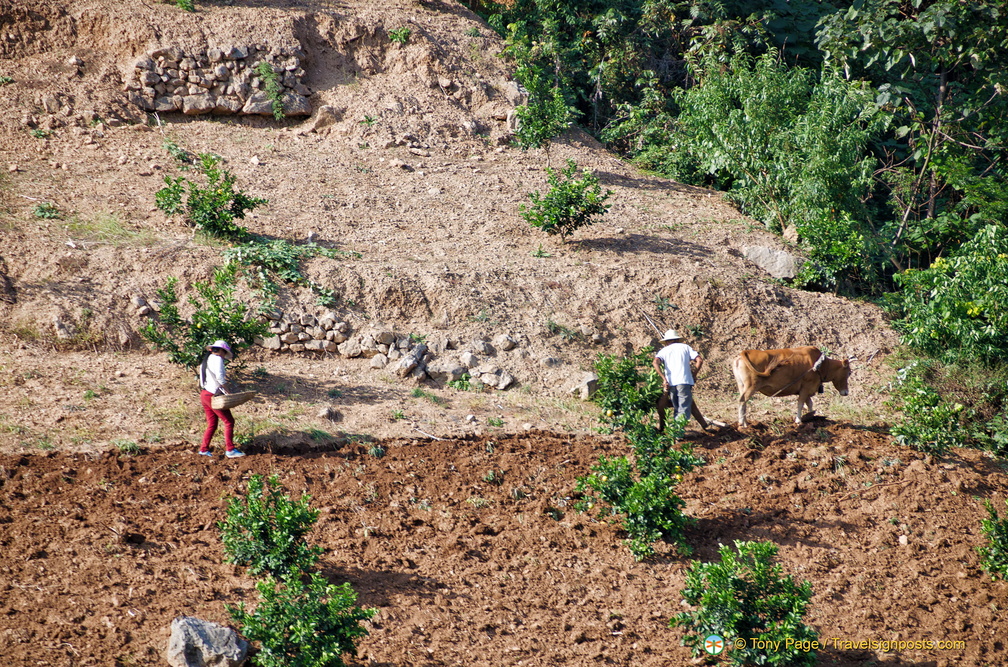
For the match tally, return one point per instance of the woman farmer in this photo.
(213, 381)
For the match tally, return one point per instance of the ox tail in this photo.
(763, 374)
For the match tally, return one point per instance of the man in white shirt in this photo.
(674, 363)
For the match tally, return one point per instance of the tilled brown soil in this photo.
(100, 552)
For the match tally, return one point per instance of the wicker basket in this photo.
(228, 401)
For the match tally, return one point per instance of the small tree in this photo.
(546, 115)
(218, 314)
(303, 621)
(212, 208)
(745, 597)
(570, 203)
(266, 530)
(994, 555)
(640, 492)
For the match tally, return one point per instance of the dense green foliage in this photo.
(301, 620)
(266, 530)
(930, 423)
(218, 313)
(213, 207)
(958, 307)
(569, 204)
(746, 596)
(994, 554)
(302, 623)
(640, 492)
(955, 404)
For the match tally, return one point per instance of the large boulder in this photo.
(778, 263)
(198, 643)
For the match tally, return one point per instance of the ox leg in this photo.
(744, 397)
(803, 401)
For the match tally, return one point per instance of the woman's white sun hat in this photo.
(221, 345)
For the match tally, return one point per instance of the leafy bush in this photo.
(958, 307)
(546, 115)
(570, 203)
(266, 530)
(948, 405)
(464, 383)
(186, 5)
(400, 35)
(183, 157)
(212, 208)
(274, 89)
(930, 424)
(280, 260)
(303, 623)
(217, 314)
(627, 387)
(46, 211)
(745, 596)
(640, 492)
(994, 555)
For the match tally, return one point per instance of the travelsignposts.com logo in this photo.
(714, 644)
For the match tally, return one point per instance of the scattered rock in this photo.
(778, 263)
(587, 387)
(330, 413)
(198, 643)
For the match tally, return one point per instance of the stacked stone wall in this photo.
(218, 80)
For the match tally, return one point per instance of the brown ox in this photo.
(800, 371)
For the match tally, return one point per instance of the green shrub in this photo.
(640, 493)
(303, 623)
(958, 307)
(546, 115)
(212, 208)
(944, 405)
(570, 203)
(627, 387)
(464, 383)
(218, 314)
(274, 89)
(183, 157)
(46, 211)
(745, 597)
(127, 447)
(186, 5)
(930, 424)
(266, 530)
(994, 555)
(400, 35)
(270, 261)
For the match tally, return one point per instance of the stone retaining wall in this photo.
(218, 80)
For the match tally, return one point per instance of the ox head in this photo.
(840, 375)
